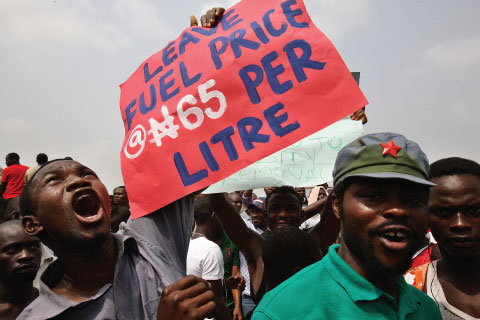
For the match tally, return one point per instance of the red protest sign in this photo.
(216, 100)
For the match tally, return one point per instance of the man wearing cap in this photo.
(257, 213)
(381, 197)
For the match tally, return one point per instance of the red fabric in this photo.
(14, 176)
(423, 257)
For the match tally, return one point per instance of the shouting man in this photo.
(381, 197)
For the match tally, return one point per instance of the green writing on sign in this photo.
(308, 162)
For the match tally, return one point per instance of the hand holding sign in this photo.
(216, 100)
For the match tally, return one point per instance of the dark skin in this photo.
(208, 230)
(384, 205)
(72, 215)
(120, 197)
(190, 299)
(281, 209)
(213, 231)
(20, 256)
(454, 208)
(259, 218)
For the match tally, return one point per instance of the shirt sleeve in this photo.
(4, 175)
(236, 257)
(213, 264)
(167, 230)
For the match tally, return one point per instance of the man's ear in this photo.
(336, 205)
(31, 225)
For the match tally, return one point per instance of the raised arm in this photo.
(247, 241)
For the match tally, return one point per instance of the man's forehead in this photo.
(12, 232)
(455, 189)
(59, 166)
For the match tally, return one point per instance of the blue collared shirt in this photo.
(152, 253)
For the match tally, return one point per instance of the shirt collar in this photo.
(360, 289)
(50, 304)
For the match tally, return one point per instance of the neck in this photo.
(459, 269)
(17, 293)
(385, 282)
(89, 270)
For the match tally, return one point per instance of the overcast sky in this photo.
(61, 64)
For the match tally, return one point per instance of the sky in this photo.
(61, 64)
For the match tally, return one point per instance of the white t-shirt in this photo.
(204, 259)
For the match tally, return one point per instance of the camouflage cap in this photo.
(382, 155)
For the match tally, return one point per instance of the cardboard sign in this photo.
(306, 163)
(214, 101)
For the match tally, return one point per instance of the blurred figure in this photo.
(13, 177)
(42, 158)
(119, 214)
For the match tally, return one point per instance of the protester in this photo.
(211, 228)
(258, 215)
(283, 207)
(42, 158)
(19, 262)
(381, 197)
(204, 258)
(13, 177)
(119, 275)
(302, 195)
(248, 304)
(454, 280)
(120, 197)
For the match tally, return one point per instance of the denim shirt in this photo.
(152, 253)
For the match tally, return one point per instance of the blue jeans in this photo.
(247, 304)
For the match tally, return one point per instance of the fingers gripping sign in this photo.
(209, 19)
(189, 298)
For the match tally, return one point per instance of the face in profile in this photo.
(383, 222)
(283, 209)
(71, 204)
(19, 253)
(454, 209)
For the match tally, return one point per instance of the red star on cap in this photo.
(390, 148)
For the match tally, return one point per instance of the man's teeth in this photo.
(396, 234)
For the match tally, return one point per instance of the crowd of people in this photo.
(393, 237)
(396, 237)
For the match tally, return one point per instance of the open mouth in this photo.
(86, 205)
(395, 239)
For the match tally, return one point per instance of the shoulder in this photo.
(427, 305)
(308, 282)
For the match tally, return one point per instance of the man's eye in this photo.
(89, 174)
(474, 211)
(52, 179)
(441, 212)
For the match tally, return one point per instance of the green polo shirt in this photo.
(331, 289)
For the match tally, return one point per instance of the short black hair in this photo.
(25, 200)
(14, 156)
(202, 210)
(42, 158)
(283, 190)
(285, 251)
(454, 166)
